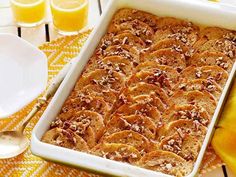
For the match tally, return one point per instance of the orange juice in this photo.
(28, 12)
(69, 16)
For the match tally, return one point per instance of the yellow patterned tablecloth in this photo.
(59, 52)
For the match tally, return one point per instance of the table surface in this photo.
(46, 32)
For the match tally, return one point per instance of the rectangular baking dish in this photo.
(199, 12)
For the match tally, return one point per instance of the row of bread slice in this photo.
(173, 33)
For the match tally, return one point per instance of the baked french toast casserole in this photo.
(148, 92)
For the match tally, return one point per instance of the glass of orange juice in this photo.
(69, 16)
(28, 13)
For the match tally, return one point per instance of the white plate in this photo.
(23, 73)
(210, 14)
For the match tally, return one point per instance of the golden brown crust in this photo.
(125, 51)
(181, 30)
(65, 139)
(137, 123)
(166, 162)
(115, 63)
(97, 91)
(224, 46)
(202, 99)
(216, 33)
(183, 128)
(127, 14)
(167, 57)
(166, 81)
(142, 88)
(131, 138)
(211, 58)
(136, 27)
(186, 147)
(153, 66)
(173, 44)
(143, 109)
(82, 102)
(214, 73)
(116, 151)
(186, 112)
(106, 79)
(124, 38)
(200, 84)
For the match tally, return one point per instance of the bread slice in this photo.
(162, 79)
(127, 14)
(183, 128)
(182, 30)
(185, 112)
(142, 88)
(136, 27)
(137, 123)
(167, 57)
(89, 136)
(129, 39)
(85, 102)
(211, 58)
(151, 100)
(125, 51)
(173, 23)
(182, 34)
(153, 66)
(202, 99)
(186, 147)
(118, 152)
(125, 38)
(106, 79)
(200, 84)
(224, 46)
(214, 73)
(86, 124)
(142, 109)
(166, 162)
(215, 33)
(173, 44)
(115, 63)
(89, 118)
(129, 137)
(64, 138)
(97, 91)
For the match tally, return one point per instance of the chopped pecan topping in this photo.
(230, 36)
(159, 78)
(219, 76)
(198, 74)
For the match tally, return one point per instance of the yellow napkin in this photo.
(224, 140)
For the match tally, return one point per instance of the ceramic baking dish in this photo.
(199, 12)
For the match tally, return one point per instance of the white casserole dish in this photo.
(203, 13)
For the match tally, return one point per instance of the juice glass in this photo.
(28, 13)
(69, 16)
